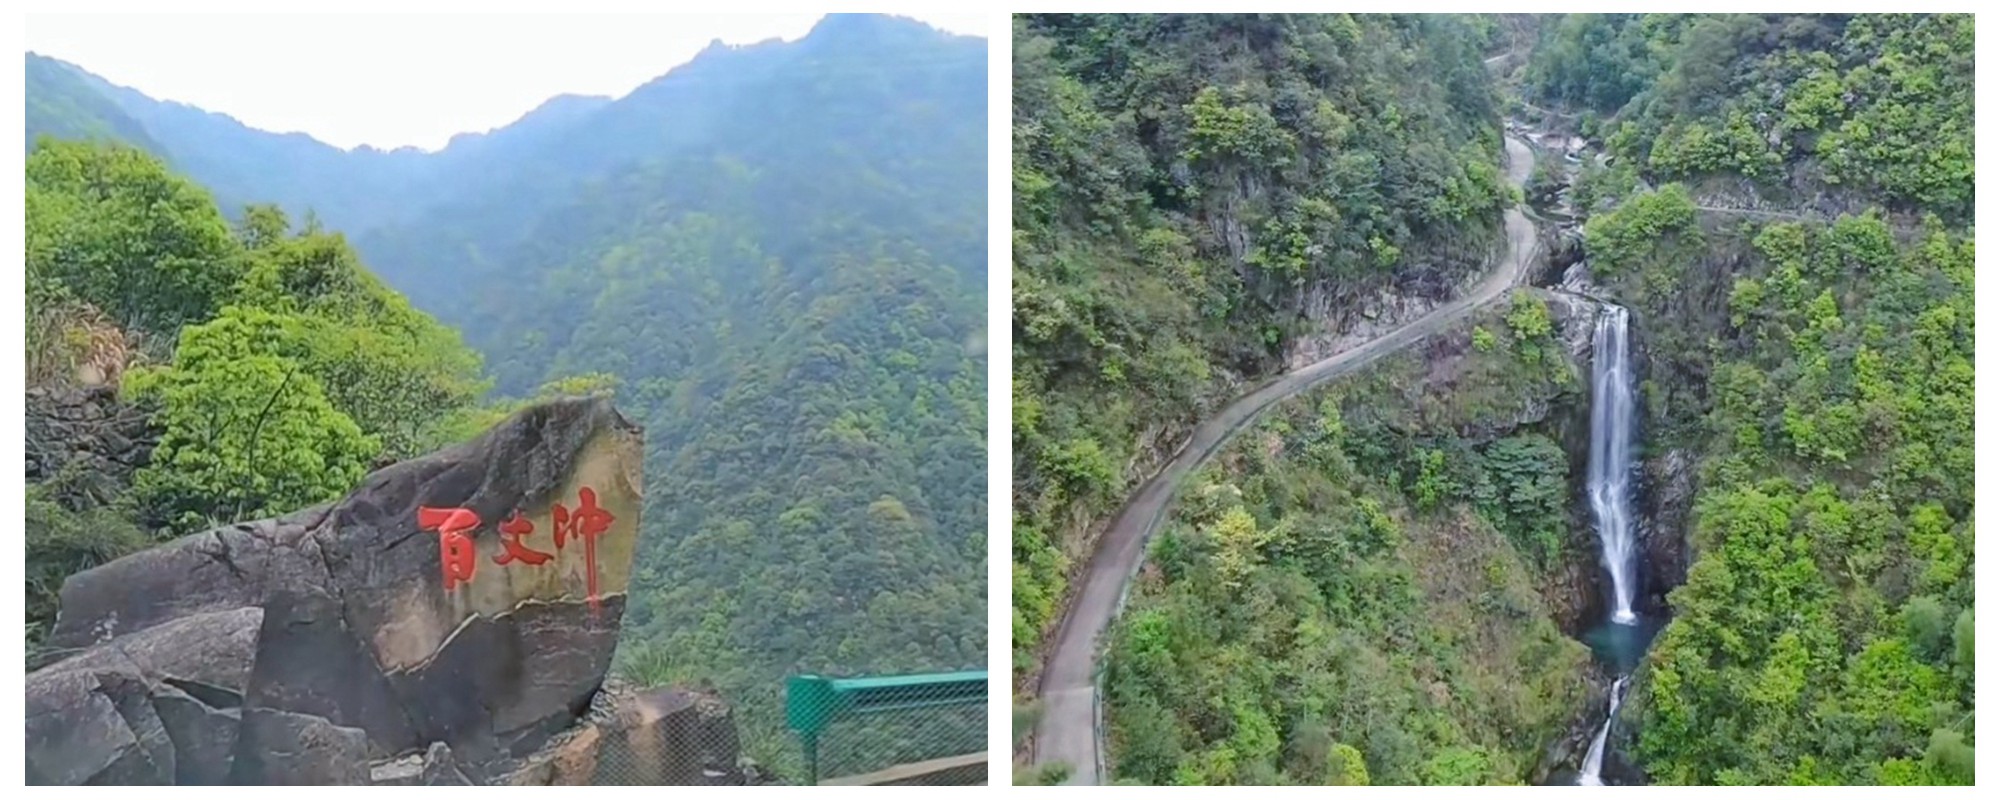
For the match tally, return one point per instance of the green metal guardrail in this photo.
(814, 703)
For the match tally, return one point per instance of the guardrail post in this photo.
(811, 742)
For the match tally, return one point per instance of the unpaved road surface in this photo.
(1067, 731)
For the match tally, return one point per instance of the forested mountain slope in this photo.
(1816, 372)
(1357, 589)
(349, 190)
(1349, 593)
(1194, 196)
(1874, 107)
(63, 103)
(774, 255)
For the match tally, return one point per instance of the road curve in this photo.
(1067, 731)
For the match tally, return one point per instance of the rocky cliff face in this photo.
(1341, 316)
(460, 609)
(85, 432)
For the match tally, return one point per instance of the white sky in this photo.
(399, 80)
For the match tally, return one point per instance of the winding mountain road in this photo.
(1067, 732)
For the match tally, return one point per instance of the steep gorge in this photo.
(1201, 203)
(1793, 522)
(1805, 381)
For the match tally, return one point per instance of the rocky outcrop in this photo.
(85, 432)
(463, 606)
(1562, 755)
(1667, 502)
(1343, 315)
(656, 737)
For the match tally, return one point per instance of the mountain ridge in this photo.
(774, 255)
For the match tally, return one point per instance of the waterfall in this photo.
(1613, 426)
(1593, 761)
(1611, 429)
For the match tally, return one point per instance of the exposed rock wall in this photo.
(85, 432)
(462, 605)
(1344, 315)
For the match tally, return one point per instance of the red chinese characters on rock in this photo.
(454, 527)
(587, 524)
(511, 532)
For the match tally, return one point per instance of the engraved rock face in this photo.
(464, 603)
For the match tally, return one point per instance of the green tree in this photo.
(1345, 766)
(126, 236)
(246, 433)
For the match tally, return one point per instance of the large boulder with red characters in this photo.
(462, 606)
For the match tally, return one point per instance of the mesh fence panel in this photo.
(943, 746)
(907, 729)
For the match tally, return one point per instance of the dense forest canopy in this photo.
(772, 255)
(1353, 592)
(1383, 580)
(1878, 105)
(1181, 185)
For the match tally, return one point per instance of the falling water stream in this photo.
(1612, 427)
(1593, 761)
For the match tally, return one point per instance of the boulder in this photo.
(282, 748)
(463, 606)
(654, 737)
(116, 714)
(203, 736)
(434, 767)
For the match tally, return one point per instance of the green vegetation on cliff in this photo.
(1815, 640)
(275, 368)
(1182, 185)
(1820, 373)
(1875, 105)
(1306, 619)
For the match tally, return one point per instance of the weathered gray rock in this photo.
(87, 426)
(672, 737)
(282, 748)
(309, 662)
(441, 769)
(203, 736)
(1346, 314)
(219, 570)
(1670, 482)
(434, 767)
(95, 718)
(150, 760)
(301, 649)
(75, 733)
